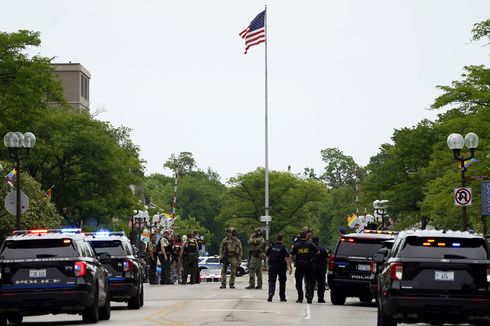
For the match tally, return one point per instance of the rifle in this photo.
(225, 259)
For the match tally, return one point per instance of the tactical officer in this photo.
(166, 244)
(278, 260)
(189, 254)
(257, 250)
(230, 252)
(151, 248)
(320, 268)
(303, 253)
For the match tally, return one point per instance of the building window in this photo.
(84, 83)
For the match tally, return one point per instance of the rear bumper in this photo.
(350, 288)
(429, 309)
(123, 291)
(38, 303)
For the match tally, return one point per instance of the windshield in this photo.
(359, 247)
(38, 248)
(113, 248)
(444, 248)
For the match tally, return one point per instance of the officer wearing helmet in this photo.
(230, 252)
(257, 250)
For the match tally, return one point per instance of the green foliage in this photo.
(185, 162)
(40, 214)
(293, 203)
(339, 168)
(481, 30)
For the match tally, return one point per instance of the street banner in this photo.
(485, 198)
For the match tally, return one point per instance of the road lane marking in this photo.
(159, 317)
(240, 310)
(308, 312)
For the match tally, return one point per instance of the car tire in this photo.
(15, 319)
(134, 303)
(384, 320)
(366, 299)
(337, 298)
(105, 311)
(3, 321)
(240, 271)
(142, 297)
(91, 314)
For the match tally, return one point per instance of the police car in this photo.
(52, 272)
(126, 272)
(213, 262)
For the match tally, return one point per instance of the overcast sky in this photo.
(341, 73)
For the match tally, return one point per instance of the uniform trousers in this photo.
(319, 277)
(304, 269)
(274, 273)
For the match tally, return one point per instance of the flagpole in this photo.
(266, 137)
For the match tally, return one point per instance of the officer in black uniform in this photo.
(303, 253)
(278, 261)
(320, 268)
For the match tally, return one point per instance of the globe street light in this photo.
(381, 208)
(456, 142)
(18, 145)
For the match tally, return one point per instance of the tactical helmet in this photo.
(231, 230)
(258, 231)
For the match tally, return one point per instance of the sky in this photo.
(342, 73)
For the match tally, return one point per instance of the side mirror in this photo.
(379, 258)
(104, 258)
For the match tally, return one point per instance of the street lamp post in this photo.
(381, 208)
(18, 145)
(456, 142)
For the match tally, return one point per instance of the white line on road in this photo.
(240, 310)
(308, 312)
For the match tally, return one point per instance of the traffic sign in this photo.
(266, 218)
(462, 196)
(11, 202)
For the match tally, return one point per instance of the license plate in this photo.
(364, 267)
(35, 273)
(444, 276)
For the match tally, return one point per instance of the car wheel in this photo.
(142, 297)
(105, 311)
(240, 271)
(91, 314)
(3, 321)
(384, 320)
(337, 298)
(134, 302)
(15, 319)
(366, 299)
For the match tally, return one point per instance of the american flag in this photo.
(255, 33)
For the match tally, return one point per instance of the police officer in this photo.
(196, 259)
(257, 250)
(303, 253)
(320, 268)
(230, 252)
(189, 254)
(167, 249)
(152, 251)
(278, 261)
(162, 257)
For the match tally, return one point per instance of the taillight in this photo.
(331, 263)
(396, 271)
(372, 267)
(488, 273)
(127, 266)
(80, 268)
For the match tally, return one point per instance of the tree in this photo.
(41, 212)
(481, 30)
(293, 202)
(185, 162)
(339, 169)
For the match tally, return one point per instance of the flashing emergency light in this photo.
(441, 244)
(456, 244)
(71, 230)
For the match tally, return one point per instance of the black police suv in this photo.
(126, 272)
(351, 263)
(373, 280)
(51, 272)
(435, 277)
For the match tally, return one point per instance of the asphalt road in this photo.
(206, 304)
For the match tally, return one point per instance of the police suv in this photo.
(435, 277)
(51, 272)
(351, 264)
(126, 272)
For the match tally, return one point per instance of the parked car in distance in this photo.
(435, 277)
(213, 262)
(52, 272)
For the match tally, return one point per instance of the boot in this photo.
(269, 299)
(232, 286)
(223, 286)
(258, 287)
(249, 287)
